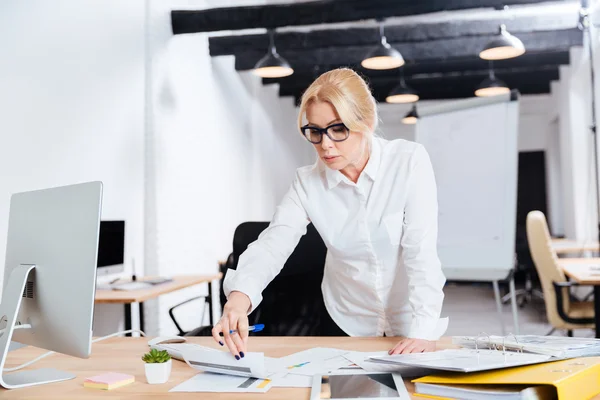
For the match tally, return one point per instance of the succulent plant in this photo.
(156, 357)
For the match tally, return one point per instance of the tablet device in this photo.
(363, 385)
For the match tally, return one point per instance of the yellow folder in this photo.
(574, 379)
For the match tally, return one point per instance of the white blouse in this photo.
(382, 273)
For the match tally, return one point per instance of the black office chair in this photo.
(292, 303)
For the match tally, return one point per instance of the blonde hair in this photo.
(349, 94)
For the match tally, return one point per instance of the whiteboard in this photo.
(473, 149)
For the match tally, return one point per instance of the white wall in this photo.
(71, 108)
(573, 107)
(223, 149)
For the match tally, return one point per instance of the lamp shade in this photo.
(491, 86)
(402, 94)
(503, 46)
(383, 56)
(411, 117)
(272, 65)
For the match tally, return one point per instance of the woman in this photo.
(374, 203)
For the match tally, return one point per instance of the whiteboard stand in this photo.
(513, 303)
(499, 306)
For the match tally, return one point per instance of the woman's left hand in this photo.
(409, 345)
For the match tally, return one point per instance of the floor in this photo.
(472, 310)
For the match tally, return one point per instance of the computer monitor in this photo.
(111, 248)
(50, 275)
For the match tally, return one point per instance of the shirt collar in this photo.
(372, 166)
(333, 178)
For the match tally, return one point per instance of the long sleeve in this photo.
(264, 259)
(419, 248)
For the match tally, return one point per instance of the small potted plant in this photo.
(158, 366)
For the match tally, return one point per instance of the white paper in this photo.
(362, 359)
(298, 362)
(274, 368)
(323, 366)
(222, 362)
(293, 380)
(209, 382)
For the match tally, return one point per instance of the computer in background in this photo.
(50, 276)
(111, 251)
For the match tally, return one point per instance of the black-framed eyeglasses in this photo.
(336, 132)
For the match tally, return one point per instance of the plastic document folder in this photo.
(561, 347)
(572, 379)
(465, 360)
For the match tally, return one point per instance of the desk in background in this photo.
(123, 355)
(127, 297)
(566, 246)
(585, 271)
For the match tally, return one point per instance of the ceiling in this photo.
(439, 39)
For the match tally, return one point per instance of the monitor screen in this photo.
(111, 243)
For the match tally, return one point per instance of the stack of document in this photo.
(486, 392)
(555, 346)
(572, 379)
(219, 371)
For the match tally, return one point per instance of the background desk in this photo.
(585, 271)
(123, 355)
(127, 297)
(566, 246)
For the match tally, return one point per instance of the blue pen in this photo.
(252, 328)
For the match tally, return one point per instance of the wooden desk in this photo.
(585, 271)
(123, 355)
(127, 297)
(566, 246)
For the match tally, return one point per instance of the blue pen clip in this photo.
(252, 328)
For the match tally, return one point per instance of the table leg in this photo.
(597, 309)
(210, 304)
(141, 308)
(128, 318)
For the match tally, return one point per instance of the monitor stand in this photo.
(9, 310)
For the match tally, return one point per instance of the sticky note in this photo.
(108, 381)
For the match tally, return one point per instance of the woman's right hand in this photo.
(235, 316)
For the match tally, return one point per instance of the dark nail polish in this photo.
(237, 357)
(242, 354)
(221, 343)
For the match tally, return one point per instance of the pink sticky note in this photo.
(109, 378)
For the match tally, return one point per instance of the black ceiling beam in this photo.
(459, 93)
(529, 59)
(414, 52)
(539, 73)
(317, 12)
(467, 82)
(226, 45)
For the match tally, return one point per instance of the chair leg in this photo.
(570, 332)
(551, 332)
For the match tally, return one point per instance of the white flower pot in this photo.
(158, 373)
